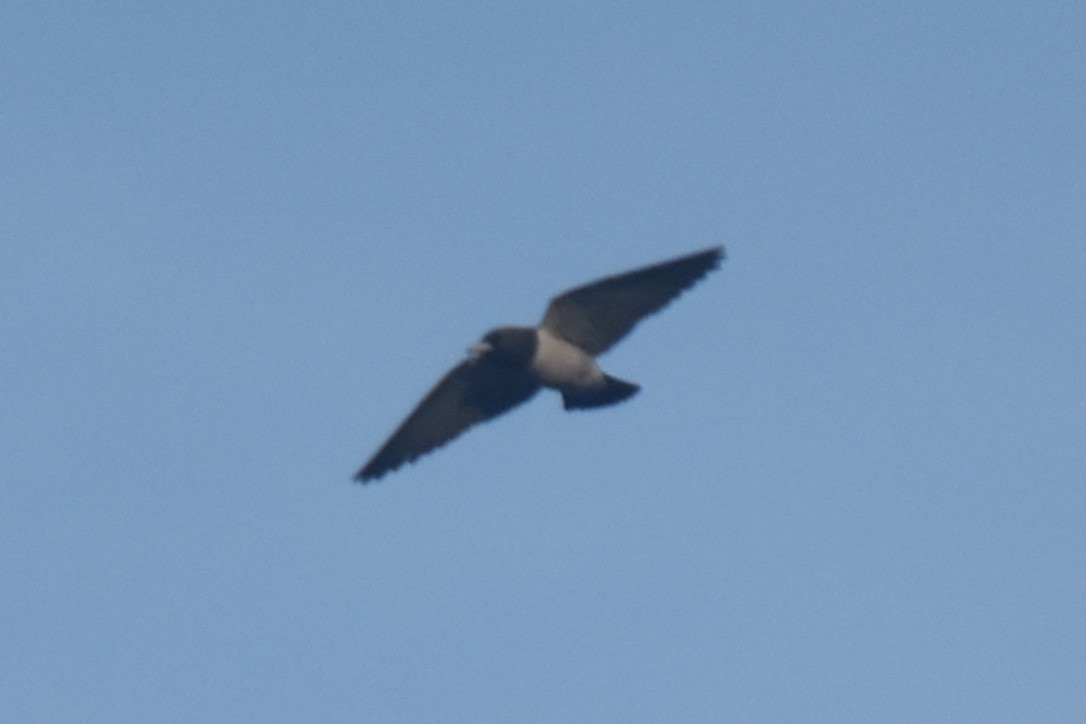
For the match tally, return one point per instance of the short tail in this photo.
(612, 391)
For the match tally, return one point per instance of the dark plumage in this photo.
(510, 364)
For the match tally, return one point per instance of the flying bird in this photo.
(510, 364)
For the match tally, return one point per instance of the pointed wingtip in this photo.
(376, 469)
(710, 258)
(364, 475)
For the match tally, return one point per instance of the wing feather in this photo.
(477, 389)
(597, 315)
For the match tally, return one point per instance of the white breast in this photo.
(561, 365)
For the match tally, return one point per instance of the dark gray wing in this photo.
(473, 391)
(597, 315)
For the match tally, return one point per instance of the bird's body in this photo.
(563, 366)
(510, 364)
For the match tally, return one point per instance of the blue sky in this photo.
(240, 242)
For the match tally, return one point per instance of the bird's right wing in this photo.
(596, 315)
(475, 390)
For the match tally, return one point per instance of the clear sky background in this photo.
(239, 242)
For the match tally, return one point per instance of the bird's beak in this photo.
(479, 348)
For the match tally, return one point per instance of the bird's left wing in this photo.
(475, 390)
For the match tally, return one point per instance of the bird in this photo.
(509, 365)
